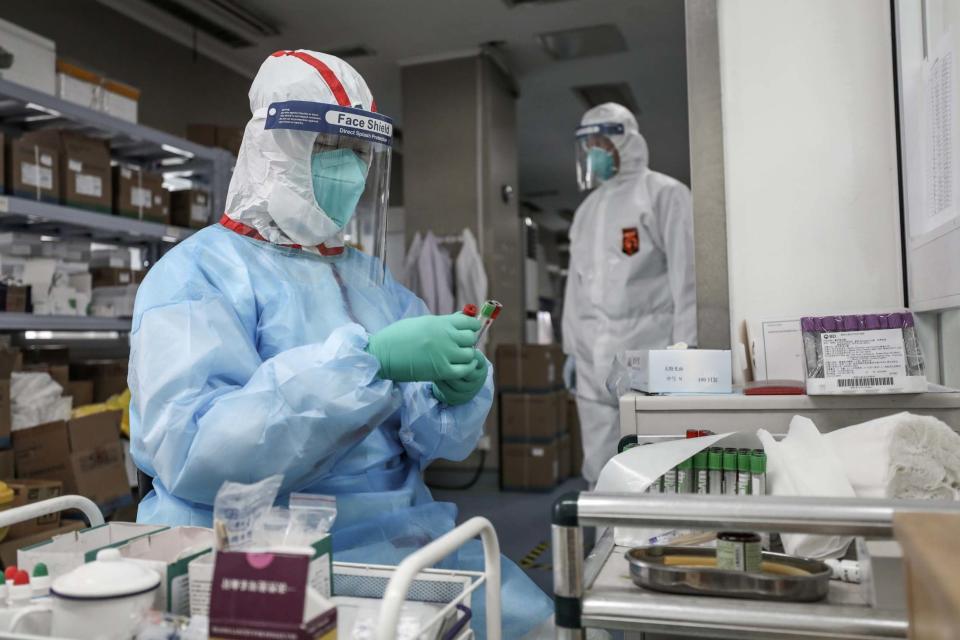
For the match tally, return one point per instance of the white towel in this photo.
(900, 456)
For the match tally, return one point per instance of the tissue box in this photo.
(169, 553)
(680, 371)
(68, 551)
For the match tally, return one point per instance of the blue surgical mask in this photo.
(601, 162)
(339, 178)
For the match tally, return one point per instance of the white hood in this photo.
(271, 190)
(634, 155)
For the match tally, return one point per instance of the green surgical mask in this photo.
(601, 163)
(339, 178)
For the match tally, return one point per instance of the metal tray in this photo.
(648, 570)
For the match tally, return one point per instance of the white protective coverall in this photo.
(631, 282)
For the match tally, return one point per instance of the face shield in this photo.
(349, 167)
(597, 156)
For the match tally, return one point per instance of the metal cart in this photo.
(392, 586)
(598, 593)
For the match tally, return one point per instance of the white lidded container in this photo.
(34, 58)
(103, 600)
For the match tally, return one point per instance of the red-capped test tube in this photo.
(487, 313)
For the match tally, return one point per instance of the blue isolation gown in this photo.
(247, 360)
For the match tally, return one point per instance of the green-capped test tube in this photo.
(758, 472)
(489, 311)
(656, 486)
(743, 472)
(715, 470)
(729, 471)
(670, 481)
(685, 476)
(701, 473)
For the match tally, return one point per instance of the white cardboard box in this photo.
(169, 553)
(34, 58)
(70, 550)
(681, 371)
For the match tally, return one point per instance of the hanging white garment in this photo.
(435, 272)
(470, 275)
(410, 277)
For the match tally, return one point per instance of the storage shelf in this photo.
(128, 140)
(32, 322)
(26, 109)
(21, 214)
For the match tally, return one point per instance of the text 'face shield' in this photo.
(350, 169)
(597, 156)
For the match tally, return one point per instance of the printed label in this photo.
(864, 358)
(36, 176)
(332, 119)
(157, 199)
(46, 159)
(140, 197)
(126, 173)
(75, 165)
(537, 452)
(180, 595)
(87, 185)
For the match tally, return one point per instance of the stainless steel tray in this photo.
(649, 570)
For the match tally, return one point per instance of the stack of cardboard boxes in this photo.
(82, 456)
(60, 166)
(537, 449)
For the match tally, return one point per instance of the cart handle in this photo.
(396, 592)
(87, 507)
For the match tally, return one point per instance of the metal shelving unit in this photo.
(31, 322)
(23, 109)
(20, 214)
(599, 593)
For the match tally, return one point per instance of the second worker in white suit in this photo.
(631, 282)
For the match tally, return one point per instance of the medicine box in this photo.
(169, 553)
(68, 551)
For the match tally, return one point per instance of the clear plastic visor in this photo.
(596, 154)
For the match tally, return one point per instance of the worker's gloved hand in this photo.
(426, 348)
(570, 373)
(462, 391)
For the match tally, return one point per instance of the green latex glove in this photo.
(454, 392)
(426, 348)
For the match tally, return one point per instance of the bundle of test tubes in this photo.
(716, 471)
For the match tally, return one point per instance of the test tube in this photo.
(743, 472)
(715, 470)
(489, 311)
(656, 486)
(701, 472)
(670, 481)
(729, 471)
(685, 476)
(758, 473)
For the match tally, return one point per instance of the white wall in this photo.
(809, 156)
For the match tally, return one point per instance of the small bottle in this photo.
(729, 471)
(670, 481)
(715, 470)
(758, 473)
(685, 476)
(41, 580)
(743, 472)
(700, 472)
(20, 591)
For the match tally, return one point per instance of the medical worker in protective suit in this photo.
(631, 280)
(262, 345)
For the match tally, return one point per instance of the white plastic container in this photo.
(34, 58)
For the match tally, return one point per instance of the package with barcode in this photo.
(862, 354)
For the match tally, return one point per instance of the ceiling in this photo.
(399, 32)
